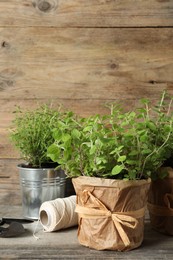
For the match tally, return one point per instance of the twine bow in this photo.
(96, 209)
(164, 211)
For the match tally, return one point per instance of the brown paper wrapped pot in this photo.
(160, 203)
(111, 212)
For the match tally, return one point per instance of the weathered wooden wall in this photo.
(81, 54)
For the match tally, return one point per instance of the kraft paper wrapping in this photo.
(111, 212)
(160, 203)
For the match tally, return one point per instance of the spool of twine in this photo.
(58, 214)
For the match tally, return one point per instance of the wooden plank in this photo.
(82, 13)
(9, 182)
(8, 169)
(85, 63)
(76, 44)
(87, 81)
(10, 197)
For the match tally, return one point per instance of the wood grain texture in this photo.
(90, 13)
(8, 169)
(9, 182)
(85, 63)
(9, 196)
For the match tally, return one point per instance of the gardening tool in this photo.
(15, 227)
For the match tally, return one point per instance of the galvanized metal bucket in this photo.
(38, 186)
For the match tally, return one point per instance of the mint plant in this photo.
(32, 132)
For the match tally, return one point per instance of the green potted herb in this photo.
(111, 159)
(31, 135)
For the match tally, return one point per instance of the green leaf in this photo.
(98, 160)
(117, 169)
(87, 128)
(144, 138)
(113, 152)
(133, 153)
(121, 158)
(61, 161)
(140, 132)
(92, 150)
(120, 147)
(66, 137)
(146, 151)
(131, 162)
(76, 134)
(167, 128)
(98, 142)
(132, 175)
(53, 152)
(67, 154)
(152, 126)
(132, 114)
(142, 110)
(57, 134)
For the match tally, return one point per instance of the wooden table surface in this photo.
(64, 244)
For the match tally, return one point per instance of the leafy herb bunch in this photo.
(144, 138)
(32, 133)
(131, 145)
(84, 149)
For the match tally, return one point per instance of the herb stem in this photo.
(156, 150)
(169, 107)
